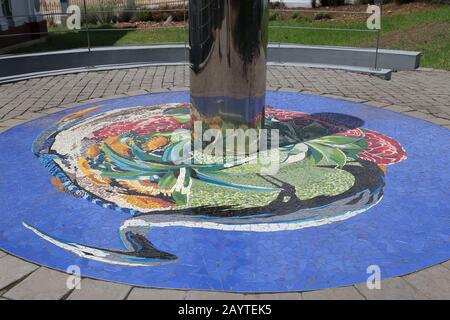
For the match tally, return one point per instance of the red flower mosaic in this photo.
(381, 149)
(141, 127)
(357, 133)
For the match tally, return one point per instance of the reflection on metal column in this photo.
(228, 53)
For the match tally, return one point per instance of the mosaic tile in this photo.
(93, 186)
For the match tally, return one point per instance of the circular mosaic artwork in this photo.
(107, 187)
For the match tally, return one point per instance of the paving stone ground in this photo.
(343, 293)
(100, 290)
(425, 91)
(42, 284)
(156, 294)
(423, 94)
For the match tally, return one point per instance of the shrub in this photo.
(301, 18)
(101, 12)
(178, 13)
(275, 16)
(298, 17)
(277, 5)
(321, 16)
(142, 15)
(127, 13)
(165, 11)
(110, 11)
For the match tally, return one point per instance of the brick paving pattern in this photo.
(426, 91)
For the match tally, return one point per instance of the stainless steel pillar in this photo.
(228, 54)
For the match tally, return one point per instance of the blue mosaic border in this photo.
(406, 231)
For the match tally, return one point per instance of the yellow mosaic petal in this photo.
(84, 166)
(78, 114)
(117, 146)
(149, 188)
(145, 202)
(92, 151)
(155, 143)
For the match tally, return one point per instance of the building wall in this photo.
(25, 20)
(3, 21)
(299, 3)
(24, 11)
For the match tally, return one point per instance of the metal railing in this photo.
(89, 29)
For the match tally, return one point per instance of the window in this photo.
(6, 8)
(205, 17)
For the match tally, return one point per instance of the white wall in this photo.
(3, 22)
(298, 3)
(23, 8)
(20, 8)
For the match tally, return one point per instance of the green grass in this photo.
(116, 37)
(427, 31)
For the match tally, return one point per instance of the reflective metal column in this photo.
(228, 54)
